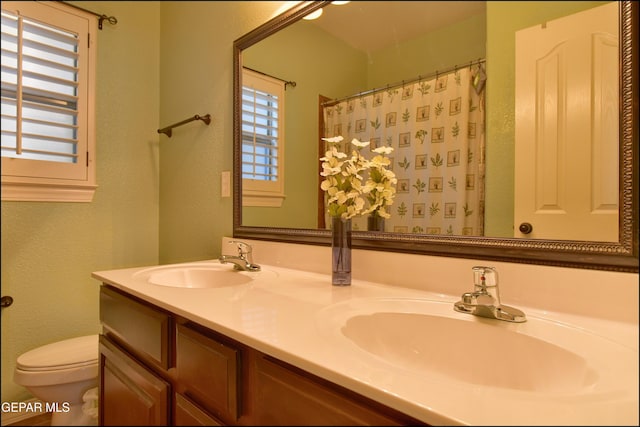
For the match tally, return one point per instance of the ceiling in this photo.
(358, 22)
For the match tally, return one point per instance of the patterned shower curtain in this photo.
(436, 128)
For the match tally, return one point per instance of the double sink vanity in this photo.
(204, 343)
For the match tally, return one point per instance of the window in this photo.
(262, 140)
(48, 126)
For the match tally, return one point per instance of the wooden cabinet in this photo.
(157, 368)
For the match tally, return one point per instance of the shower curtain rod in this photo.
(404, 82)
(286, 82)
(101, 17)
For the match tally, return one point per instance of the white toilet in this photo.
(59, 374)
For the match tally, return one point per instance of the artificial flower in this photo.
(351, 181)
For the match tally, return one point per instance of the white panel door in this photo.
(566, 166)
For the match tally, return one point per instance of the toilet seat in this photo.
(62, 355)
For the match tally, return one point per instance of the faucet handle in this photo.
(485, 277)
(243, 248)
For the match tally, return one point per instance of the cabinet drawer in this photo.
(141, 328)
(207, 371)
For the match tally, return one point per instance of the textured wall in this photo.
(197, 78)
(50, 249)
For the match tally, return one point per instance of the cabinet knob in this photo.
(525, 228)
(6, 301)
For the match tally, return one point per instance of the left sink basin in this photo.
(195, 275)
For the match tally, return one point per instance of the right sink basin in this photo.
(475, 352)
(428, 337)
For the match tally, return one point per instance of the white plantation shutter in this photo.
(260, 135)
(47, 112)
(262, 140)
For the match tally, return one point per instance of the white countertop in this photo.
(288, 314)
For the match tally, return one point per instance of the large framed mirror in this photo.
(307, 56)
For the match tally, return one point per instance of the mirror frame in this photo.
(619, 256)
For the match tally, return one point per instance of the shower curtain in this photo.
(436, 128)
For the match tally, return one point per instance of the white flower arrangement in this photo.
(345, 183)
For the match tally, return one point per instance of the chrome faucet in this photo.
(244, 260)
(484, 301)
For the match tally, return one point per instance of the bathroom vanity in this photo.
(159, 368)
(200, 344)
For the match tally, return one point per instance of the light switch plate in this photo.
(225, 184)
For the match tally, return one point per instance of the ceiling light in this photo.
(339, 3)
(313, 15)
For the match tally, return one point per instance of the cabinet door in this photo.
(285, 395)
(207, 372)
(130, 395)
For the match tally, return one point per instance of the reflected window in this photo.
(262, 139)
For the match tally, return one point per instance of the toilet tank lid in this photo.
(62, 354)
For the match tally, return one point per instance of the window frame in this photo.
(261, 192)
(39, 180)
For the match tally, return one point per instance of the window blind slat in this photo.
(69, 126)
(67, 53)
(36, 109)
(261, 114)
(258, 96)
(261, 130)
(253, 144)
(48, 87)
(36, 95)
(40, 137)
(248, 155)
(253, 115)
(48, 33)
(58, 69)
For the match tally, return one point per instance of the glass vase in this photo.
(340, 251)
(375, 223)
